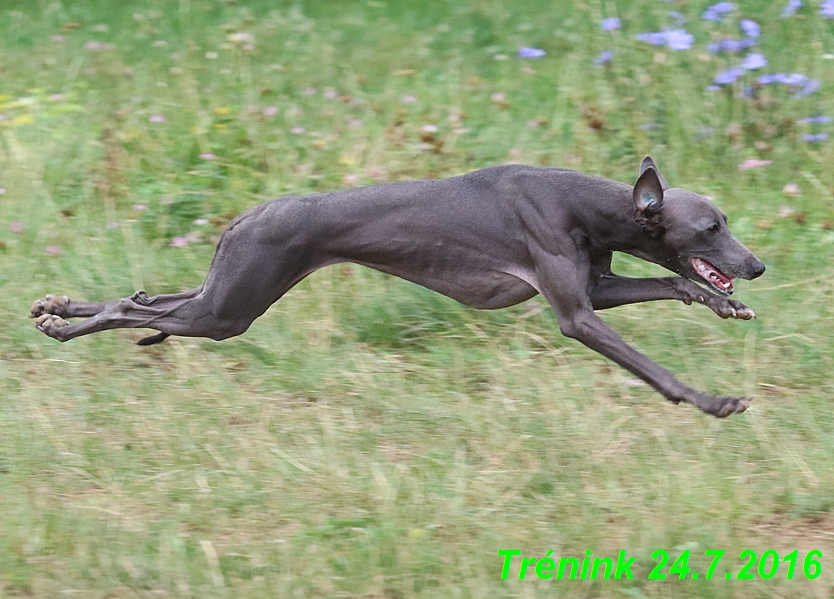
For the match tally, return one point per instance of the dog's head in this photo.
(697, 243)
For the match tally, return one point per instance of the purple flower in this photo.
(753, 61)
(794, 79)
(678, 39)
(750, 28)
(655, 39)
(728, 76)
(806, 85)
(531, 53)
(16, 227)
(827, 9)
(157, 118)
(717, 11)
(790, 8)
(770, 78)
(207, 156)
(603, 57)
(712, 88)
(816, 120)
(815, 137)
(675, 39)
(809, 88)
(610, 24)
(270, 110)
(731, 45)
(179, 242)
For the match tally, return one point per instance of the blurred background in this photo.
(367, 437)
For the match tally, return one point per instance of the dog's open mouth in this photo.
(717, 279)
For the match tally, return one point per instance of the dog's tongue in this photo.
(716, 278)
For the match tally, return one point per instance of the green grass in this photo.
(367, 438)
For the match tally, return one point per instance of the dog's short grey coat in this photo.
(489, 239)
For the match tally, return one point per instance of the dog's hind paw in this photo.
(51, 325)
(51, 304)
(721, 407)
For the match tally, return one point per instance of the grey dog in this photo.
(489, 239)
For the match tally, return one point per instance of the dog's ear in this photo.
(648, 192)
(649, 163)
(648, 201)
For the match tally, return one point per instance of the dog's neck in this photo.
(618, 229)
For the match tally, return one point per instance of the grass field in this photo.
(366, 437)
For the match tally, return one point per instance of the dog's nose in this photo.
(758, 268)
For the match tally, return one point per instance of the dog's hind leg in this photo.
(223, 307)
(61, 305)
(257, 261)
(186, 315)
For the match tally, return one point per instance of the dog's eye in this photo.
(713, 229)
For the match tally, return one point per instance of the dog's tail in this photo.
(153, 339)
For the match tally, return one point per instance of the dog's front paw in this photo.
(728, 308)
(721, 407)
(51, 304)
(51, 325)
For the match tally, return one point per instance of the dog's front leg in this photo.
(563, 282)
(610, 290)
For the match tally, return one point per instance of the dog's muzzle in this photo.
(719, 281)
